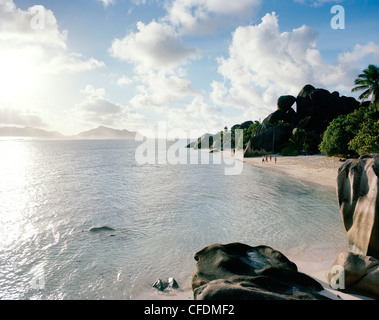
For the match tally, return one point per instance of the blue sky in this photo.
(194, 64)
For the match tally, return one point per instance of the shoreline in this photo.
(317, 170)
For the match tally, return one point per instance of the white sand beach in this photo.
(318, 170)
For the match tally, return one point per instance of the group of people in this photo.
(268, 158)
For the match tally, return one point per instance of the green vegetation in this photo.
(353, 134)
(367, 139)
(358, 132)
(248, 133)
(301, 142)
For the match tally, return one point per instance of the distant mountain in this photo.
(30, 132)
(106, 133)
(101, 133)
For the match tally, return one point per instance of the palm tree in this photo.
(369, 82)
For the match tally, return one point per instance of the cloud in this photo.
(106, 3)
(161, 90)
(21, 118)
(124, 81)
(34, 34)
(97, 109)
(208, 16)
(71, 63)
(317, 3)
(197, 115)
(264, 63)
(158, 55)
(153, 46)
(22, 27)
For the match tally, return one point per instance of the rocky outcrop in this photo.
(269, 138)
(204, 142)
(285, 102)
(358, 200)
(315, 109)
(237, 271)
(355, 273)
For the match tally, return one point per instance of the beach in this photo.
(317, 170)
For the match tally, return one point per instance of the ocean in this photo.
(84, 220)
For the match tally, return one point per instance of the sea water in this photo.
(84, 220)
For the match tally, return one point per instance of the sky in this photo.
(74, 65)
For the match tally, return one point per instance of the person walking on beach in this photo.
(275, 159)
(266, 158)
(270, 157)
(263, 159)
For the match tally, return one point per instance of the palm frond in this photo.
(360, 88)
(365, 95)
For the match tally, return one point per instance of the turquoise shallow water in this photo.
(83, 220)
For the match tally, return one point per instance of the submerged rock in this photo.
(240, 272)
(99, 229)
(358, 200)
(166, 285)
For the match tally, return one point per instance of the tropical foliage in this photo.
(351, 135)
(301, 142)
(368, 82)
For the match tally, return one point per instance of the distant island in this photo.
(100, 133)
(106, 133)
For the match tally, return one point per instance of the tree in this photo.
(367, 139)
(353, 134)
(368, 81)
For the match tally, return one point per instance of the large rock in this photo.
(244, 125)
(237, 271)
(358, 201)
(275, 117)
(204, 142)
(355, 273)
(268, 139)
(285, 102)
(303, 101)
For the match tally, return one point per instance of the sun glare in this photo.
(17, 73)
(15, 160)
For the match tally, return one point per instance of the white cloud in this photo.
(318, 3)
(124, 81)
(44, 48)
(265, 63)
(207, 16)
(71, 63)
(158, 56)
(197, 115)
(18, 117)
(153, 46)
(106, 3)
(159, 89)
(16, 26)
(96, 109)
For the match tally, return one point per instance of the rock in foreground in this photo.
(355, 273)
(240, 272)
